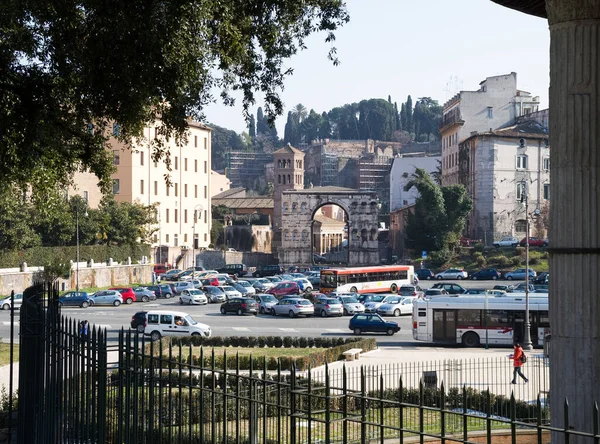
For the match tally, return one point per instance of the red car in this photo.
(127, 293)
(213, 280)
(285, 289)
(534, 242)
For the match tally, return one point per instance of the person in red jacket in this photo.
(518, 363)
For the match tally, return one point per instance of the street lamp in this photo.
(527, 335)
(77, 237)
(197, 214)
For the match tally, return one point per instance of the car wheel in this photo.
(117, 303)
(168, 295)
(439, 278)
(6, 307)
(155, 335)
(494, 278)
(353, 290)
(190, 302)
(428, 278)
(145, 299)
(340, 315)
(129, 301)
(240, 312)
(222, 311)
(180, 301)
(261, 310)
(140, 328)
(509, 278)
(473, 278)
(390, 331)
(85, 304)
(323, 314)
(396, 312)
(470, 340)
(292, 314)
(195, 334)
(496, 245)
(345, 312)
(273, 312)
(357, 331)
(459, 277)
(394, 288)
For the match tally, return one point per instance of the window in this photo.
(522, 162)
(185, 190)
(166, 238)
(116, 157)
(155, 188)
(521, 226)
(279, 178)
(175, 215)
(205, 217)
(205, 167)
(546, 163)
(167, 216)
(490, 112)
(205, 143)
(520, 191)
(116, 130)
(176, 189)
(176, 162)
(185, 216)
(205, 192)
(195, 141)
(195, 166)
(185, 238)
(142, 158)
(205, 237)
(141, 187)
(196, 191)
(116, 186)
(185, 164)
(546, 191)
(85, 196)
(175, 240)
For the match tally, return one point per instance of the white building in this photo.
(401, 173)
(499, 169)
(496, 104)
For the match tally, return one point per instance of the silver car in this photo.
(265, 302)
(192, 297)
(397, 306)
(214, 294)
(5, 302)
(262, 284)
(351, 305)
(106, 297)
(376, 301)
(250, 290)
(293, 307)
(230, 292)
(143, 294)
(326, 306)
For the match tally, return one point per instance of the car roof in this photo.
(168, 312)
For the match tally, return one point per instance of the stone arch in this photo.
(294, 207)
(303, 207)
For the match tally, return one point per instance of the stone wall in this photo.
(217, 259)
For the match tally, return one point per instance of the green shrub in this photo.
(277, 341)
(310, 342)
(515, 261)
(287, 342)
(479, 248)
(270, 341)
(252, 341)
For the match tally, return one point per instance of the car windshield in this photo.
(349, 300)
(302, 302)
(268, 298)
(196, 292)
(244, 284)
(376, 299)
(332, 302)
(190, 320)
(393, 301)
(228, 288)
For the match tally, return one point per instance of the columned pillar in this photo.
(574, 233)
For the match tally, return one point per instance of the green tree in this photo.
(427, 117)
(124, 223)
(17, 213)
(300, 113)
(292, 131)
(409, 115)
(223, 141)
(70, 70)
(403, 123)
(311, 126)
(376, 119)
(262, 126)
(252, 128)
(325, 128)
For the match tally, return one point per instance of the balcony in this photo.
(449, 120)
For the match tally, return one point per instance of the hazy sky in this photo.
(429, 48)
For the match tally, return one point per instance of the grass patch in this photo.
(5, 353)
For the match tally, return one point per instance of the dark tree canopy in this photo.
(68, 65)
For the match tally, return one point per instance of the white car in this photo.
(397, 306)
(230, 292)
(206, 273)
(304, 284)
(376, 301)
(5, 302)
(172, 323)
(452, 273)
(351, 305)
(507, 241)
(192, 297)
(248, 286)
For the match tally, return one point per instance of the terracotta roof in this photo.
(288, 149)
(328, 220)
(529, 129)
(533, 7)
(245, 202)
(229, 192)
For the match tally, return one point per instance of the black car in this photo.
(451, 288)
(268, 270)
(486, 273)
(424, 274)
(542, 278)
(138, 321)
(240, 306)
(236, 270)
(475, 291)
(372, 323)
(162, 290)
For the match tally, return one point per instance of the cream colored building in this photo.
(219, 183)
(85, 184)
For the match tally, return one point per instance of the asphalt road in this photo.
(116, 318)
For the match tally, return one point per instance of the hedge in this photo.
(333, 349)
(40, 256)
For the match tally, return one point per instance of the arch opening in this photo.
(329, 235)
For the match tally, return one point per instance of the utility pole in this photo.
(197, 214)
(527, 336)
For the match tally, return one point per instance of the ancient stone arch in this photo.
(361, 208)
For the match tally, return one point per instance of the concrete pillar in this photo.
(575, 211)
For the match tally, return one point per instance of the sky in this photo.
(425, 48)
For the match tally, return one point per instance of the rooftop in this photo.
(325, 190)
(244, 202)
(288, 149)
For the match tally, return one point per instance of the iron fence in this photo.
(79, 388)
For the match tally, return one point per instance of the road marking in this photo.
(335, 330)
(241, 328)
(289, 329)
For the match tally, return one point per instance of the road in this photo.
(115, 318)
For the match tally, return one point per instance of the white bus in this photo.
(463, 320)
(377, 279)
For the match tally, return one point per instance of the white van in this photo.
(173, 323)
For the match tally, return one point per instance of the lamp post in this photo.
(527, 334)
(197, 214)
(77, 240)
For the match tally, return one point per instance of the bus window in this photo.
(497, 318)
(470, 318)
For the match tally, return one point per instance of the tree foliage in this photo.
(439, 214)
(71, 69)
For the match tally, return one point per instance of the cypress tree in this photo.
(252, 128)
(409, 115)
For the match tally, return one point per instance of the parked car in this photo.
(161, 323)
(190, 273)
(304, 284)
(315, 281)
(242, 289)
(450, 287)
(206, 273)
(372, 323)
(519, 274)
(520, 288)
(434, 292)
(486, 273)
(74, 298)
(127, 294)
(214, 294)
(159, 269)
(506, 288)
(326, 306)
(542, 278)
(230, 292)
(5, 303)
(265, 302)
(452, 273)
(236, 270)
(274, 279)
(319, 259)
(285, 289)
(475, 291)
(240, 306)
(169, 275)
(424, 274)
(106, 297)
(267, 270)
(351, 305)
(248, 286)
(534, 242)
(397, 306)
(374, 303)
(162, 290)
(211, 280)
(293, 307)
(262, 284)
(363, 298)
(192, 297)
(507, 241)
(180, 286)
(144, 294)
(410, 290)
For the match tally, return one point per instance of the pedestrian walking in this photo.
(519, 359)
(83, 329)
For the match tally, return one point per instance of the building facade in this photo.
(218, 183)
(247, 169)
(401, 173)
(497, 103)
(500, 170)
